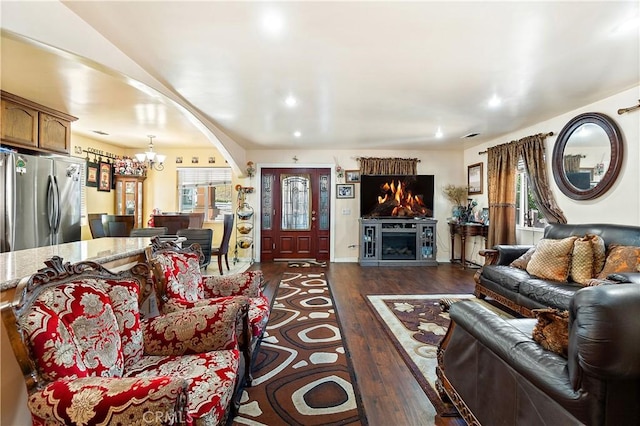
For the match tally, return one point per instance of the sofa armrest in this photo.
(110, 400)
(247, 283)
(543, 369)
(604, 331)
(625, 277)
(195, 330)
(509, 253)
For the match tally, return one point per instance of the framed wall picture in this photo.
(92, 174)
(345, 190)
(474, 178)
(104, 177)
(352, 176)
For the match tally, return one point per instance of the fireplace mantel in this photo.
(398, 242)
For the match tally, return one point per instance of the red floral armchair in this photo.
(180, 285)
(89, 358)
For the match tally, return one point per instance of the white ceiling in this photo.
(365, 74)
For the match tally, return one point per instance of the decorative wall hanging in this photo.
(474, 178)
(104, 177)
(345, 190)
(352, 176)
(92, 174)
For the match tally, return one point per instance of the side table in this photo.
(465, 230)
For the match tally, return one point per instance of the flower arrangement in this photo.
(456, 194)
(339, 171)
(251, 170)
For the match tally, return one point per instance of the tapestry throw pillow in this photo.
(552, 330)
(587, 258)
(620, 259)
(523, 261)
(552, 259)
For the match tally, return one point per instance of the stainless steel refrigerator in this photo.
(40, 201)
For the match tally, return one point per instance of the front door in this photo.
(295, 214)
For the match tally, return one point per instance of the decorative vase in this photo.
(457, 213)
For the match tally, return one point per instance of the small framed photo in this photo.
(92, 174)
(104, 177)
(352, 176)
(474, 178)
(345, 190)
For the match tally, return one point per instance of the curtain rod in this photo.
(544, 135)
(387, 158)
(623, 110)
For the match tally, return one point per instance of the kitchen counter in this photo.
(110, 252)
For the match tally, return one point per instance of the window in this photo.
(205, 190)
(527, 212)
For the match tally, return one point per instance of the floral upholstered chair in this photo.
(181, 285)
(89, 358)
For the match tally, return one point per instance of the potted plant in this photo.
(458, 196)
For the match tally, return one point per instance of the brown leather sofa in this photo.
(517, 290)
(496, 374)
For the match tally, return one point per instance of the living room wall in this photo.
(621, 204)
(345, 226)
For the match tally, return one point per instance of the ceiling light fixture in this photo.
(297, 133)
(273, 23)
(290, 101)
(495, 101)
(150, 159)
(439, 133)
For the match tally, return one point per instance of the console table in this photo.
(465, 230)
(398, 242)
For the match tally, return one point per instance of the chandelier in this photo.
(150, 159)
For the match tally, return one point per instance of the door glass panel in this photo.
(324, 203)
(296, 201)
(267, 201)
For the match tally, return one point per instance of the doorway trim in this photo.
(258, 192)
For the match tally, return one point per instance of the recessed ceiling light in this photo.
(297, 133)
(495, 101)
(291, 101)
(273, 23)
(439, 133)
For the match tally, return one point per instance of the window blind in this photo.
(203, 176)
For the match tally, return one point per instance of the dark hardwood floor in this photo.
(390, 393)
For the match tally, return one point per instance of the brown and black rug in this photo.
(416, 324)
(303, 373)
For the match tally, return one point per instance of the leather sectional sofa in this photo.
(496, 374)
(521, 292)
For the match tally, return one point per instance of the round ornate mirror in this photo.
(587, 156)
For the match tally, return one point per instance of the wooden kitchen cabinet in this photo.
(19, 124)
(34, 126)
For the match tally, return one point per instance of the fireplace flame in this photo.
(401, 201)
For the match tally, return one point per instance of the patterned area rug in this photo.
(303, 373)
(416, 324)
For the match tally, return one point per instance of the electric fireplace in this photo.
(396, 196)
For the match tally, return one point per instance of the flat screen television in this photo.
(373, 186)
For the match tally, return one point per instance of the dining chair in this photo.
(95, 225)
(202, 236)
(173, 222)
(223, 249)
(196, 220)
(118, 225)
(148, 232)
